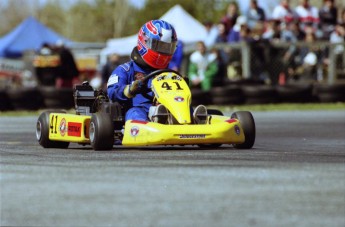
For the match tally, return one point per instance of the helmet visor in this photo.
(161, 47)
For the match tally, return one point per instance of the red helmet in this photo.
(157, 42)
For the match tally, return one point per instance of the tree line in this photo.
(100, 20)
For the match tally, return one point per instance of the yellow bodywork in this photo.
(173, 92)
(69, 127)
(222, 130)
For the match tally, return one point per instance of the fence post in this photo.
(245, 60)
(332, 65)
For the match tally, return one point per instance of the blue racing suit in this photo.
(123, 76)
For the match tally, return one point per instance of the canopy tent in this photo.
(29, 35)
(188, 29)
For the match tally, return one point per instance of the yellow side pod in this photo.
(69, 127)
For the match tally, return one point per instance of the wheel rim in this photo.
(38, 130)
(92, 131)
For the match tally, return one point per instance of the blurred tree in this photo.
(53, 15)
(13, 12)
(99, 20)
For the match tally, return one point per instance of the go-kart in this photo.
(101, 123)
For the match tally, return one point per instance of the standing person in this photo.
(203, 67)
(229, 19)
(283, 12)
(156, 45)
(255, 14)
(307, 15)
(328, 18)
(68, 70)
(108, 68)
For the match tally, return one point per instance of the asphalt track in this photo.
(294, 176)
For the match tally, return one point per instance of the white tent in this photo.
(188, 30)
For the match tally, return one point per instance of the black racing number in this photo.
(168, 87)
(52, 126)
(178, 85)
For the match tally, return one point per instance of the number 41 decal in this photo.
(52, 125)
(168, 87)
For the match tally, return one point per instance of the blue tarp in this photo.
(29, 35)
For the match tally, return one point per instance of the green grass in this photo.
(229, 108)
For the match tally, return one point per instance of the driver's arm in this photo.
(117, 83)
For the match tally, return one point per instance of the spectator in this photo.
(255, 14)
(338, 36)
(308, 58)
(112, 62)
(222, 35)
(283, 12)
(177, 58)
(68, 67)
(342, 17)
(307, 14)
(202, 67)
(296, 31)
(229, 20)
(328, 17)
(273, 31)
(234, 34)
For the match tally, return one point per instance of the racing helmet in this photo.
(157, 42)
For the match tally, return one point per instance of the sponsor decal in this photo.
(74, 129)
(134, 131)
(192, 136)
(179, 99)
(62, 127)
(114, 79)
(237, 130)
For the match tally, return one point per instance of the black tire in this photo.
(200, 97)
(330, 93)
(5, 103)
(57, 97)
(101, 131)
(230, 94)
(260, 94)
(25, 98)
(295, 93)
(42, 132)
(248, 125)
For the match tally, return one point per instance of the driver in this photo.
(156, 45)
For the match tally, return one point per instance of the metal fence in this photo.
(281, 63)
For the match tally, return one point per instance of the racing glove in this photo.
(133, 89)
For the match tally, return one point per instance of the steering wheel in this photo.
(159, 71)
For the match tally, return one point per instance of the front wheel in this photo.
(248, 125)
(42, 131)
(101, 131)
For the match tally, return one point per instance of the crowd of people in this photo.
(284, 25)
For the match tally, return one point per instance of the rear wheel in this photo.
(248, 125)
(42, 132)
(101, 131)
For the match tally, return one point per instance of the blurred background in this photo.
(275, 55)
